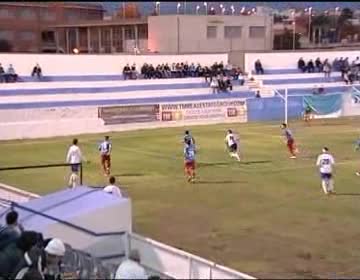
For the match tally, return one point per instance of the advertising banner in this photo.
(129, 114)
(212, 110)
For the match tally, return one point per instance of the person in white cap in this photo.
(54, 252)
(131, 268)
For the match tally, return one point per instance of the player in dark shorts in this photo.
(189, 160)
(290, 141)
(105, 155)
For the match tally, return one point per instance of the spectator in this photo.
(310, 66)
(52, 258)
(214, 85)
(318, 65)
(112, 188)
(127, 72)
(327, 68)
(258, 67)
(30, 265)
(36, 71)
(257, 94)
(208, 75)
(133, 72)
(131, 268)
(2, 74)
(357, 62)
(301, 65)
(13, 254)
(221, 83)
(228, 84)
(12, 231)
(11, 74)
(192, 70)
(241, 78)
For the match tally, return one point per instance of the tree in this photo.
(5, 46)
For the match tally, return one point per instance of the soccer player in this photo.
(325, 162)
(307, 114)
(231, 141)
(105, 155)
(188, 136)
(290, 141)
(357, 147)
(189, 160)
(74, 157)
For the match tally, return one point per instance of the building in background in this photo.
(206, 34)
(171, 34)
(24, 26)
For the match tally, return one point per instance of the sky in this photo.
(170, 7)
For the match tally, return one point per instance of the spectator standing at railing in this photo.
(199, 70)
(36, 71)
(327, 68)
(192, 70)
(258, 67)
(214, 85)
(131, 268)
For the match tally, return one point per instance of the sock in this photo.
(324, 186)
(331, 185)
(237, 156)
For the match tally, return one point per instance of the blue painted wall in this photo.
(270, 109)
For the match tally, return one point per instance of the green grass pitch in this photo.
(266, 216)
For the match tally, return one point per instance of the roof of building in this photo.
(92, 23)
(73, 5)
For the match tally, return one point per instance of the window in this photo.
(257, 32)
(26, 35)
(48, 36)
(232, 31)
(129, 33)
(143, 31)
(6, 35)
(211, 32)
(6, 13)
(27, 13)
(47, 15)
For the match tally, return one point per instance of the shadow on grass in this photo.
(205, 164)
(129, 175)
(348, 194)
(255, 162)
(218, 182)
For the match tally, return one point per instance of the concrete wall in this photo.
(188, 33)
(68, 64)
(286, 60)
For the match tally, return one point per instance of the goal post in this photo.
(284, 97)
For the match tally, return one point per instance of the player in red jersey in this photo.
(290, 141)
(189, 160)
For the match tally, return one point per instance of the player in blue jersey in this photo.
(105, 155)
(189, 160)
(290, 141)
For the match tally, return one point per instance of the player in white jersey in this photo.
(74, 157)
(232, 144)
(325, 162)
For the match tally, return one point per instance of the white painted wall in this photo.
(187, 34)
(286, 60)
(69, 64)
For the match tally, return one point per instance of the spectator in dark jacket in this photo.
(2, 74)
(318, 65)
(310, 66)
(258, 67)
(301, 65)
(13, 254)
(127, 72)
(36, 71)
(12, 231)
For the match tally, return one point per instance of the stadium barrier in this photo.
(156, 257)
